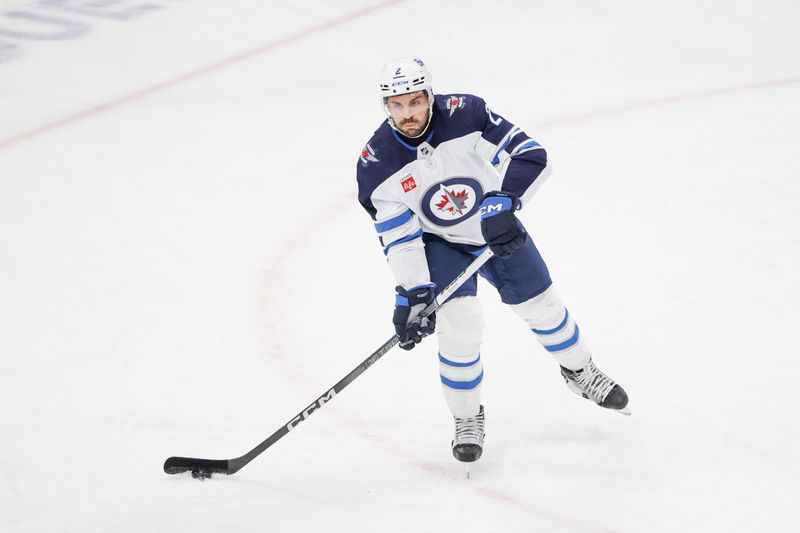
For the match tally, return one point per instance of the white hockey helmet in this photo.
(406, 75)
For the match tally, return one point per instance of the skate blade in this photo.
(466, 469)
(626, 411)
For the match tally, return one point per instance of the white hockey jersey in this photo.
(436, 188)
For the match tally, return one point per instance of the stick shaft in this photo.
(175, 465)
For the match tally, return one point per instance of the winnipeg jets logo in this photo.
(451, 201)
(455, 103)
(368, 154)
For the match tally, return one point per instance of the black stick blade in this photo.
(177, 465)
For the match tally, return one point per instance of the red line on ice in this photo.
(709, 93)
(192, 75)
(292, 244)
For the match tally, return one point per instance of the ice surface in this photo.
(180, 243)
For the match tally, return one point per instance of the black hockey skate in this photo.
(468, 441)
(593, 385)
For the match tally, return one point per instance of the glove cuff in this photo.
(422, 294)
(496, 202)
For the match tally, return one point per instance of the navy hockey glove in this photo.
(501, 229)
(411, 327)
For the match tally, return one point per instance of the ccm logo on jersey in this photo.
(409, 184)
(368, 154)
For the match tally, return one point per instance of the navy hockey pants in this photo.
(517, 278)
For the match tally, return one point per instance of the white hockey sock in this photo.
(461, 383)
(459, 327)
(555, 329)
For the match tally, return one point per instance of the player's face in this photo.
(409, 112)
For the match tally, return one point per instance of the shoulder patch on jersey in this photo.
(454, 103)
(408, 183)
(368, 154)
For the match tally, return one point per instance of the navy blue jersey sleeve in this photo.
(365, 188)
(520, 160)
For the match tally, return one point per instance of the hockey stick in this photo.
(204, 468)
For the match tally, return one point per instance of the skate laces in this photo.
(592, 382)
(470, 430)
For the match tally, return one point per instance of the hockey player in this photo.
(442, 178)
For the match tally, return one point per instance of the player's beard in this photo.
(417, 127)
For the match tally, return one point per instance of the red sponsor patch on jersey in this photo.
(408, 184)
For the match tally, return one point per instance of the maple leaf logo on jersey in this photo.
(368, 154)
(453, 202)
